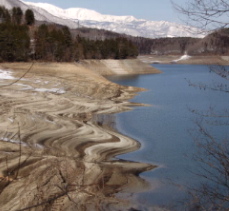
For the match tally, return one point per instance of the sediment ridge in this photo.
(57, 140)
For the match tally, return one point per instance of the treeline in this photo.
(14, 34)
(164, 46)
(214, 43)
(14, 43)
(57, 44)
(21, 40)
(16, 16)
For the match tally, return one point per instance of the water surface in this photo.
(165, 128)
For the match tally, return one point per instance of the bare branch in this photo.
(206, 14)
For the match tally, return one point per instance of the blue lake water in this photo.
(165, 128)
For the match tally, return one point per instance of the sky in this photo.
(155, 10)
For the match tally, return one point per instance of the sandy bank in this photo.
(168, 59)
(56, 143)
(119, 67)
(88, 67)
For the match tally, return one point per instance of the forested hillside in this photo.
(212, 44)
(22, 40)
(165, 46)
(216, 43)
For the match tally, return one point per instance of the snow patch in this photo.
(12, 141)
(38, 81)
(55, 90)
(6, 74)
(184, 57)
(25, 87)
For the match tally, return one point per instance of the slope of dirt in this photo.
(57, 141)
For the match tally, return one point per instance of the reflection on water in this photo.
(165, 129)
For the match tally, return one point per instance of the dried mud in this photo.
(57, 143)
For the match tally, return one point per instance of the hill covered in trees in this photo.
(58, 44)
(22, 40)
(216, 43)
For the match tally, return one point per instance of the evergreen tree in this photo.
(60, 47)
(14, 42)
(4, 15)
(29, 17)
(17, 15)
(41, 38)
(67, 36)
(53, 43)
(67, 45)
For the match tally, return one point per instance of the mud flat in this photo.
(57, 146)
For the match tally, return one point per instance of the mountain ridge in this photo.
(81, 13)
(73, 17)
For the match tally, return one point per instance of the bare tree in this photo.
(212, 157)
(211, 136)
(206, 14)
(213, 148)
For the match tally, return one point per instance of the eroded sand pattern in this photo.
(56, 152)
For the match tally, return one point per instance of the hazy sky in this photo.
(144, 9)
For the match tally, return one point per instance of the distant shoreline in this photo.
(172, 59)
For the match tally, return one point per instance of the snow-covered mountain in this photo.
(40, 14)
(89, 18)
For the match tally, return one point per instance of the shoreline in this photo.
(53, 146)
(95, 67)
(200, 60)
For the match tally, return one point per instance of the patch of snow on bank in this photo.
(56, 90)
(184, 57)
(25, 87)
(14, 141)
(53, 90)
(4, 74)
(155, 62)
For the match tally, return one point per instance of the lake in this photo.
(166, 128)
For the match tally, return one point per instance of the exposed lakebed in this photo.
(59, 150)
(55, 150)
